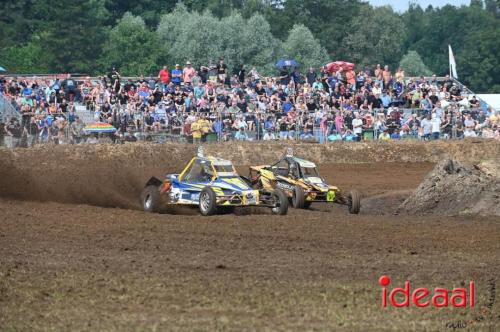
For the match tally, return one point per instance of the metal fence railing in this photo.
(63, 131)
(8, 109)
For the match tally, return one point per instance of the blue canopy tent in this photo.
(286, 63)
(2, 69)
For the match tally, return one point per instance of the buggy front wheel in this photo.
(208, 202)
(280, 202)
(150, 199)
(353, 201)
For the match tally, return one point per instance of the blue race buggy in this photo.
(213, 185)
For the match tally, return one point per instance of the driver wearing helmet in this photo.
(207, 173)
(294, 171)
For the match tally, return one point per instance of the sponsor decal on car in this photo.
(285, 186)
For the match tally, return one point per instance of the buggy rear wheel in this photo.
(353, 201)
(150, 199)
(208, 202)
(298, 198)
(280, 202)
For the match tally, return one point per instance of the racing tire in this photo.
(208, 202)
(354, 202)
(281, 202)
(298, 198)
(150, 199)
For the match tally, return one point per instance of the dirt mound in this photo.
(454, 188)
(384, 204)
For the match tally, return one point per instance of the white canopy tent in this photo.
(492, 100)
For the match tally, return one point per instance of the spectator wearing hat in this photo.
(188, 73)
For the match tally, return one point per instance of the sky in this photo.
(402, 5)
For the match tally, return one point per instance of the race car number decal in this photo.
(330, 196)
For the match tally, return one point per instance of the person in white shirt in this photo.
(357, 126)
(268, 136)
(470, 126)
(436, 126)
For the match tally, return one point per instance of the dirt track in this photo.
(80, 267)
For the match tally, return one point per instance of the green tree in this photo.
(303, 47)
(258, 46)
(131, 47)
(238, 40)
(375, 36)
(73, 33)
(413, 65)
(479, 64)
(328, 20)
(149, 10)
(26, 58)
(16, 22)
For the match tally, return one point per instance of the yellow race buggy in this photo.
(301, 182)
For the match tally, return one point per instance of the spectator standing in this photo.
(196, 131)
(69, 87)
(177, 75)
(470, 125)
(311, 76)
(241, 73)
(32, 132)
(357, 125)
(447, 126)
(114, 79)
(387, 76)
(436, 126)
(221, 71)
(13, 133)
(378, 75)
(188, 73)
(205, 127)
(164, 77)
(76, 129)
(426, 125)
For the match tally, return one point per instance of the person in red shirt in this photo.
(164, 77)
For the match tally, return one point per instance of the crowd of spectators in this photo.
(210, 102)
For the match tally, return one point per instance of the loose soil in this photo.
(76, 253)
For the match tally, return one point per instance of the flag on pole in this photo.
(453, 64)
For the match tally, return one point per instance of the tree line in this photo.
(137, 37)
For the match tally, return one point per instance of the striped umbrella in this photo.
(99, 127)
